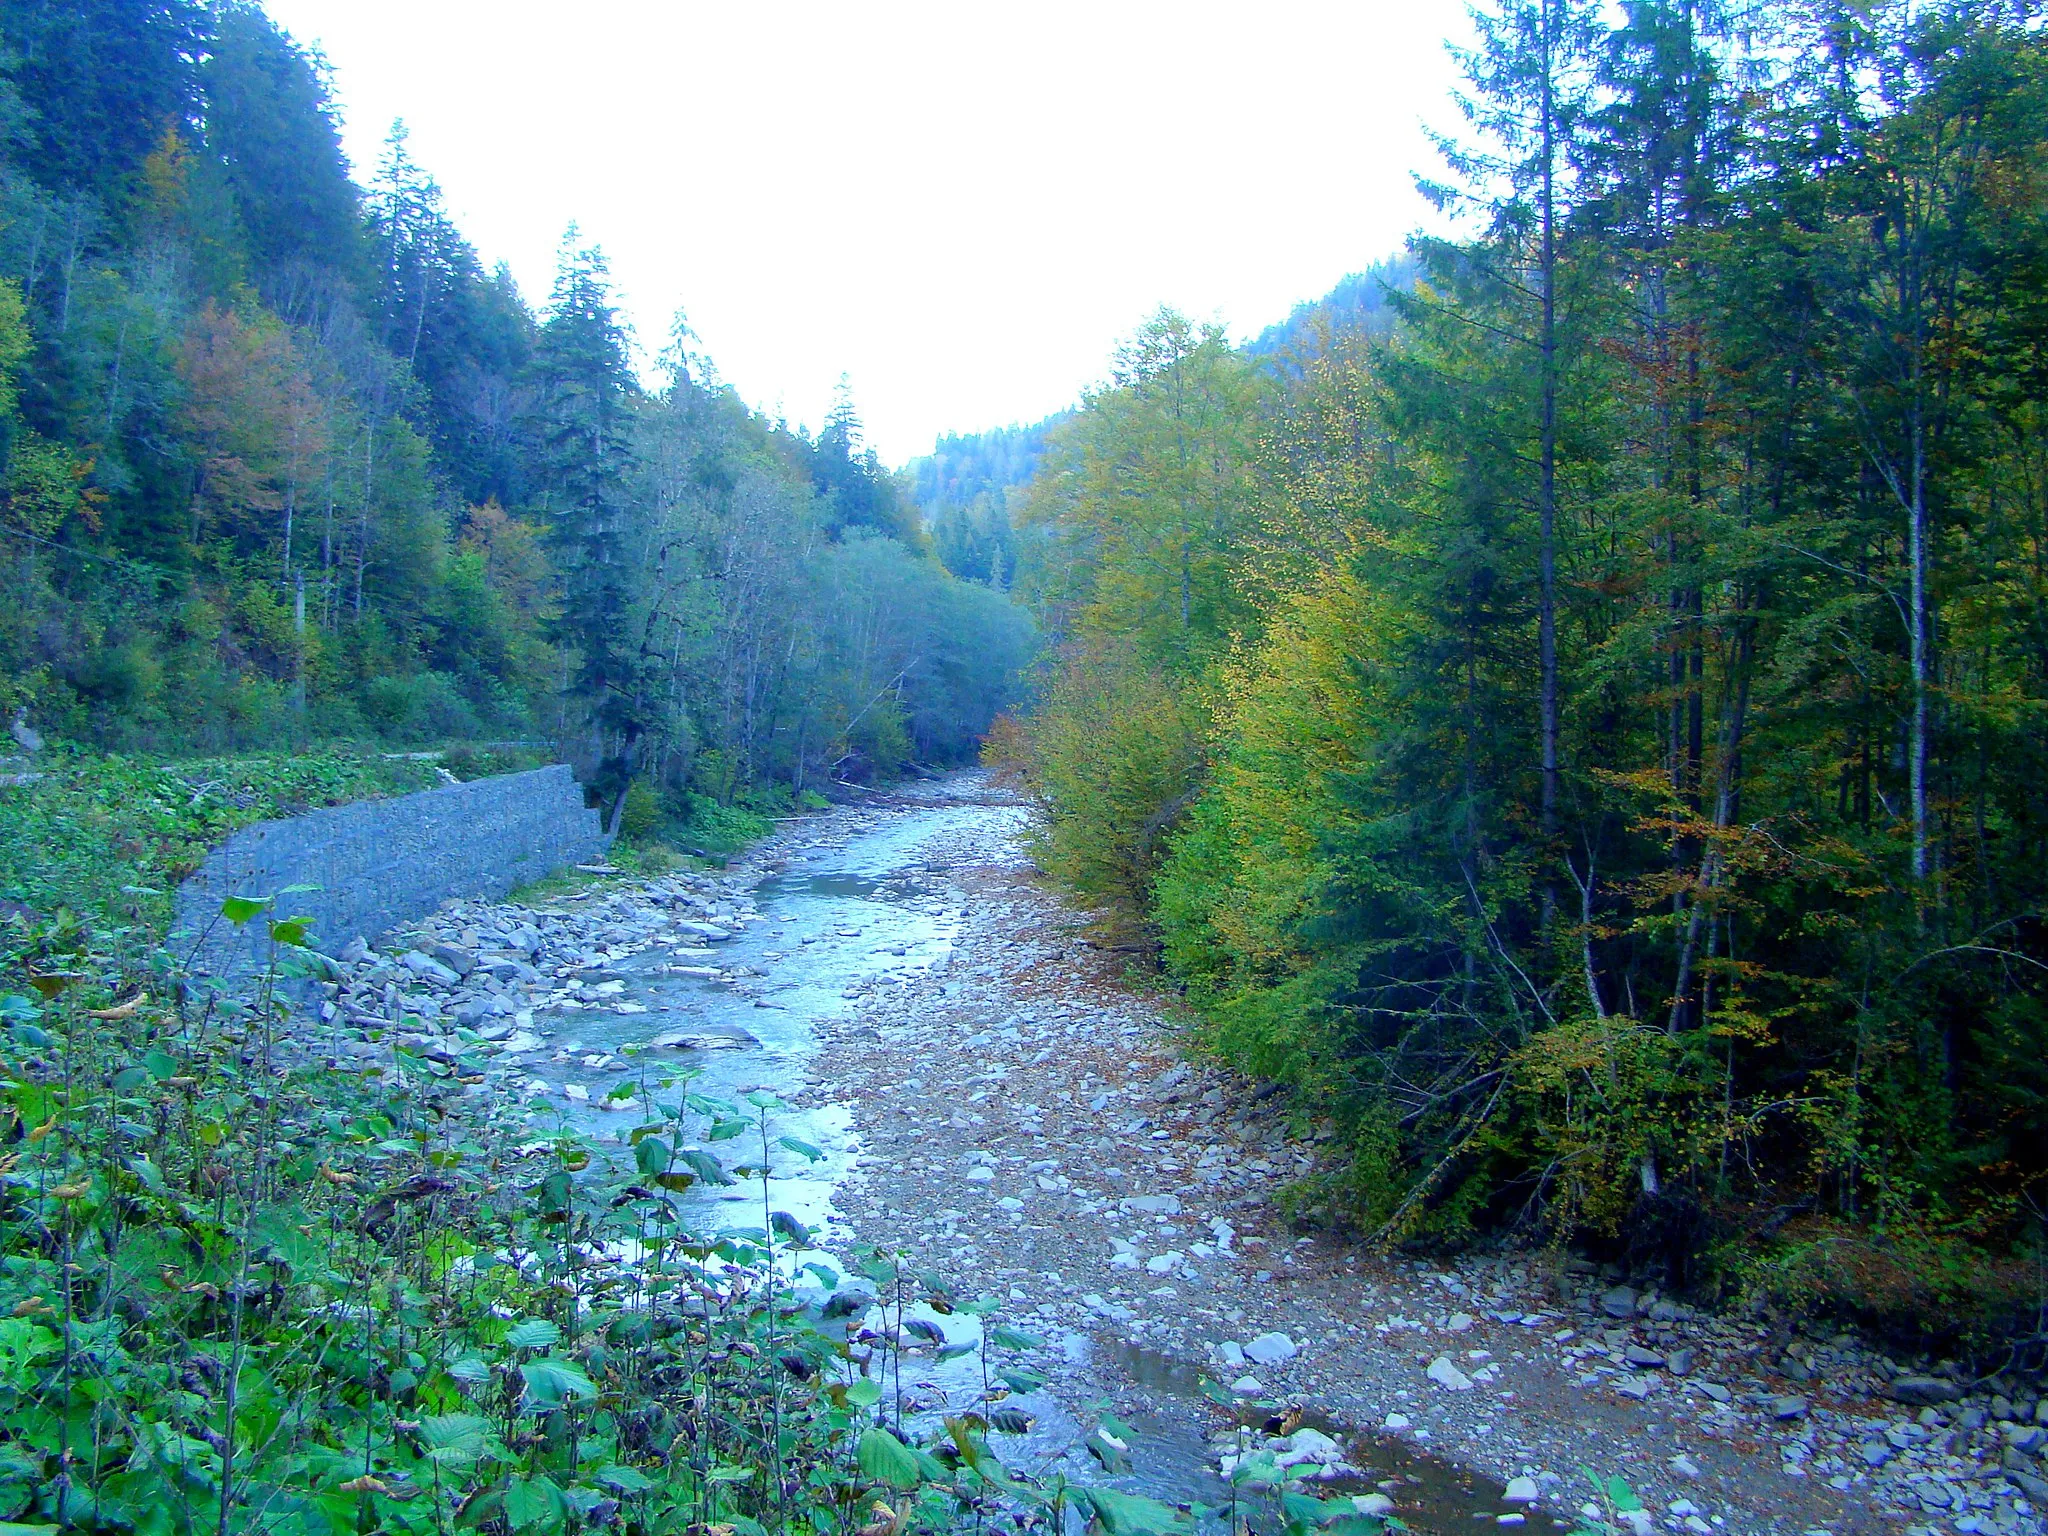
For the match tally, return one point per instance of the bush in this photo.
(1115, 756)
(714, 828)
(468, 760)
(641, 816)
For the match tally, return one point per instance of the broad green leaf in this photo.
(1624, 1497)
(886, 1459)
(456, 1439)
(864, 1393)
(789, 1227)
(240, 909)
(704, 1165)
(533, 1333)
(1130, 1514)
(802, 1149)
(530, 1501)
(550, 1383)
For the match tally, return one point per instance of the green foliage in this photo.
(109, 838)
(282, 464)
(1616, 794)
(240, 1290)
(1115, 754)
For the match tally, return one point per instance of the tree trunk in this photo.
(1916, 537)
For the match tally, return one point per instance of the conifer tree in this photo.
(584, 391)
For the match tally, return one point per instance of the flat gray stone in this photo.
(1788, 1408)
(427, 968)
(1271, 1349)
(1680, 1362)
(701, 1040)
(2035, 1488)
(1924, 1390)
(1619, 1302)
(1447, 1375)
(1151, 1205)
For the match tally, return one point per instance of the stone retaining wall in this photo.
(383, 862)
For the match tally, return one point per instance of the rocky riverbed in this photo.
(1001, 1103)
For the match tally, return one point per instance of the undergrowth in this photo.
(244, 1289)
(110, 837)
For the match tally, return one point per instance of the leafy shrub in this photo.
(716, 828)
(641, 816)
(1115, 757)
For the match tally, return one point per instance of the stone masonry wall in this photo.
(382, 862)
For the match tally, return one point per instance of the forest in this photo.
(1580, 718)
(285, 463)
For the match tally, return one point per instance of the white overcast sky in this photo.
(962, 206)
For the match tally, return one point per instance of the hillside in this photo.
(288, 461)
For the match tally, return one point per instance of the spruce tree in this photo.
(583, 397)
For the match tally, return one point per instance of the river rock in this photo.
(1448, 1376)
(1306, 1446)
(1619, 1302)
(2035, 1488)
(1788, 1408)
(1271, 1349)
(427, 968)
(701, 1040)
(1646, 1359)
(708, 933)
(1680, 1362)
(1923, 1390)
(1522, 1490)
(1151, 1205)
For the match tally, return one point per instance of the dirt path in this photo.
(1027, 1126)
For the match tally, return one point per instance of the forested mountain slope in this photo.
(286, 461)
(1587, 734)
(965, 487)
